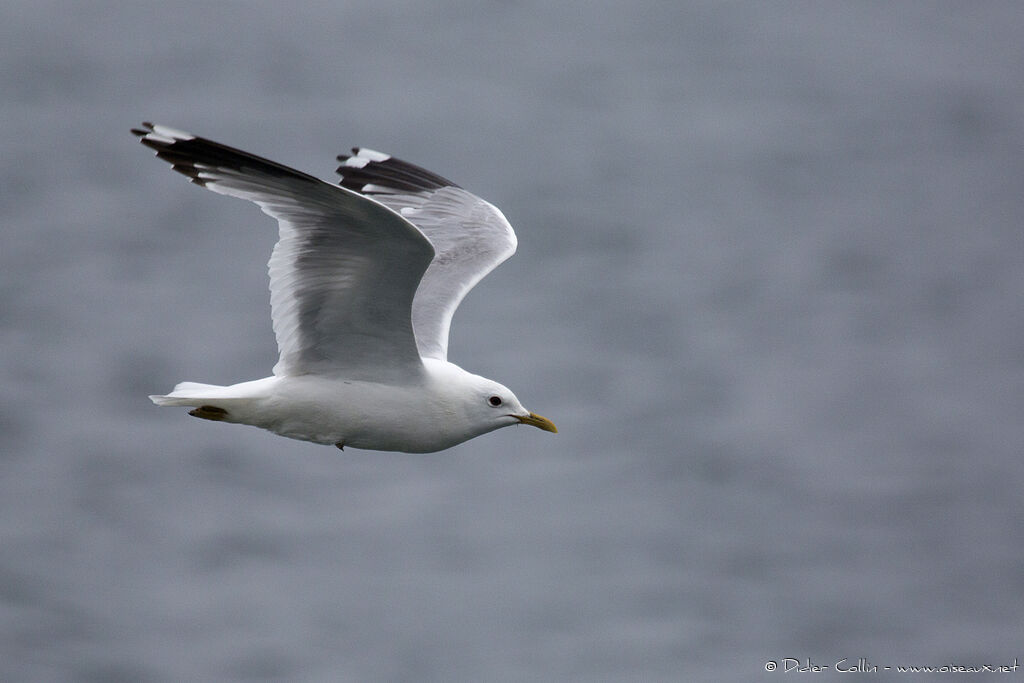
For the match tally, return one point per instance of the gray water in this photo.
(768, 286)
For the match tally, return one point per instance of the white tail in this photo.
(190, 394)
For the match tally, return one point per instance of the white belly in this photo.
(352, 413)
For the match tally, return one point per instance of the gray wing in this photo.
(344, 272)
(470, 236)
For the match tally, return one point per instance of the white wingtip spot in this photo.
(168, 134)
(356, 162)
(371, 155)
(364, 156)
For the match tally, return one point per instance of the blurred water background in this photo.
(768, 286)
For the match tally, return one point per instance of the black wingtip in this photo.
(346, 157)
(144, 131)
(389, 174)
(191, 155)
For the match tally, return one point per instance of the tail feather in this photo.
(189, 394)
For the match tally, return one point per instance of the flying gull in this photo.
(364, 280)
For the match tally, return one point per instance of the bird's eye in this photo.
(494, 401)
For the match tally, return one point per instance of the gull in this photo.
(364, 280)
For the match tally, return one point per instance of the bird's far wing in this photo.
(470, 236)
(344, 272)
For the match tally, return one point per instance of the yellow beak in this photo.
(535, 420)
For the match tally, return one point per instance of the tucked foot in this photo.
(209, 413)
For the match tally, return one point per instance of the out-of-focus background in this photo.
(769, 287)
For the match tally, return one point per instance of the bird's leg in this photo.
(209, 413)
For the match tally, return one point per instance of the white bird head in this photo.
(497, 403)
(483, 405)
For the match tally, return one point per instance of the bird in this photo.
(364, 280)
